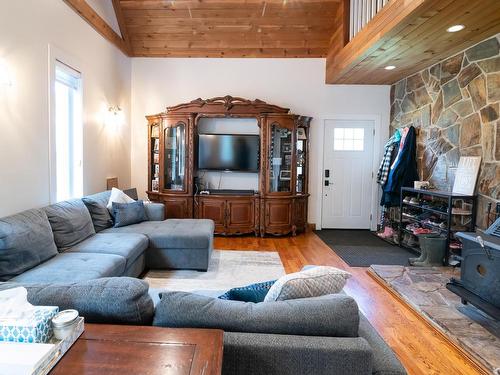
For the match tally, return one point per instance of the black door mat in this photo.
(362, 248)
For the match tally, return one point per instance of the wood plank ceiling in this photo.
(409, 34)
(229, 28)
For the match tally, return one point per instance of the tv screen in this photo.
(226, 152)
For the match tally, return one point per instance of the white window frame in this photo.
(57, 57)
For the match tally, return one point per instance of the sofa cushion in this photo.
(128, 213)
(127, 245)
(73, 267)
(313, 282)
(117, 196)
(26, 240)
(336, 315)
(71, 223)
(96, 204)
(173, 233)
(131, 303)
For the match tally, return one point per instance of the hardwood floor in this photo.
(421, 349)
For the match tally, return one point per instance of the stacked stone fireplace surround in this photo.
(455, 107)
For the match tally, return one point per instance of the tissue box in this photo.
(37, 329)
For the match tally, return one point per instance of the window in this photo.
(68, 130)
(348, 139)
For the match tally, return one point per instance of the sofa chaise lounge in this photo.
(74, 240)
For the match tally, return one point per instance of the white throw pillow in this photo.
(117, 196)
(313, 282)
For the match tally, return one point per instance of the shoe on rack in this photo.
(415, 201)
(443, 225)
(388, 232)
(407, 199)
(460, 211)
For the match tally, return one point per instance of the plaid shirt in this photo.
(385, 164)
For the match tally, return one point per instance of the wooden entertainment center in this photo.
(279, 207)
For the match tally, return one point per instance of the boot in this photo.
(435, 248)
(421, 258)
(423, 250)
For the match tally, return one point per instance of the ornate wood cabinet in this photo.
(280, 205)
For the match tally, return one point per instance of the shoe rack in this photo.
(435, 213)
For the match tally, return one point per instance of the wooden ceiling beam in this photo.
(121, 23)
(98, 23)
(410, 34)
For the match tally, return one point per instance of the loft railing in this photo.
(361, 12)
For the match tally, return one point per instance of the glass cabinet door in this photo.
(301, 151)
(280, 159)
(174, 157)
(155, 156)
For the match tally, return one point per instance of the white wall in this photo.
(27, 27)
(294, 83)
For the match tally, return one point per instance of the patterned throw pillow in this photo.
(313, 282)
(250, 293)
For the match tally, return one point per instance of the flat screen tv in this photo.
(228, 152)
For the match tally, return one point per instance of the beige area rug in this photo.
(227, 269)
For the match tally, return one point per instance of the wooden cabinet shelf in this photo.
(279, 207)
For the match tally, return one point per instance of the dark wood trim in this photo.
(226, 105)
(93, 19)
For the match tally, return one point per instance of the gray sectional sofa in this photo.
(75, 241)
(69, 255)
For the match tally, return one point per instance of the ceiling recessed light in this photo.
(390, 67)
(455, 28)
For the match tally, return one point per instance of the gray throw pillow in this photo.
(71, 223)
(96, 204)
(129, 213)
(111, 300)
(335, 315)
(26, 240)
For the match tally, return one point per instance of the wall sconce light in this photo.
(114, 116)
(5, 76)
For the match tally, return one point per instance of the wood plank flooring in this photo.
(421, 349)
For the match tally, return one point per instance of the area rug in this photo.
(227, 269)
(362, 248)
(424, 289)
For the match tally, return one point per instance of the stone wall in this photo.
(455, 107)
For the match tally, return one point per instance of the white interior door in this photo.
(347, 174)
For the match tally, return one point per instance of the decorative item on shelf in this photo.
(156, 158)
(155, 131)
(115, 116)
(301, 134)
(424, 185)
(285, 175)
(155, 185)
(156, 146)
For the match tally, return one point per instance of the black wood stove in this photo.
(479, 282)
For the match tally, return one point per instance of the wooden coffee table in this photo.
(113, 349)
